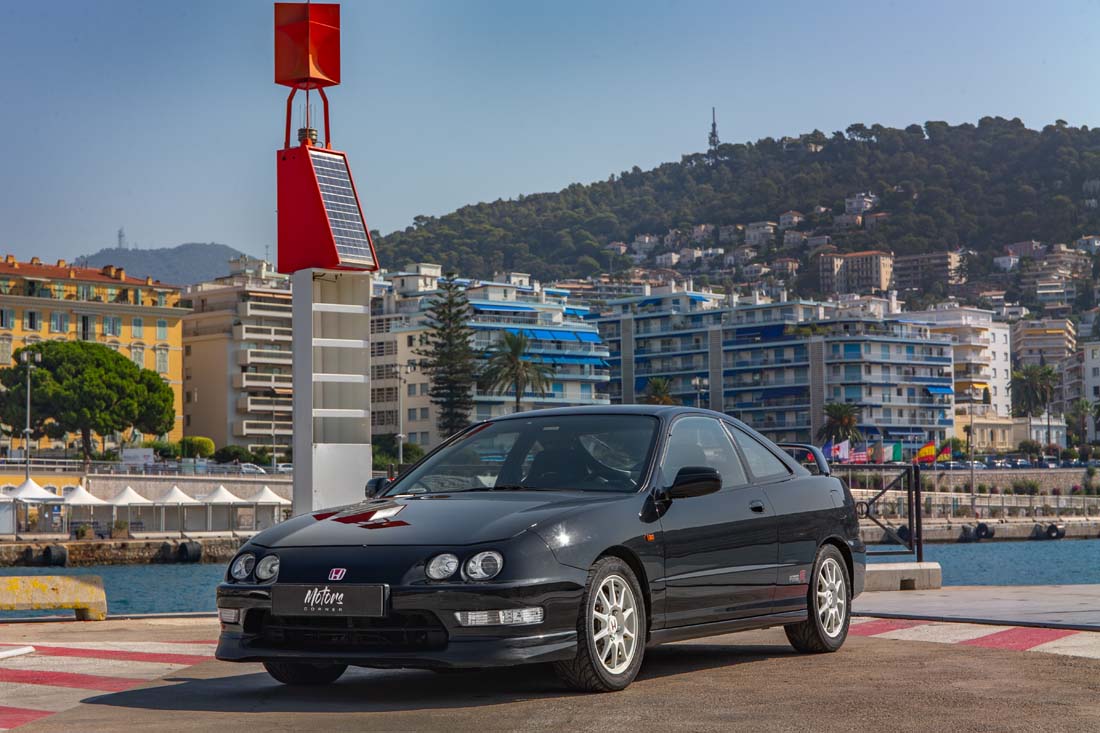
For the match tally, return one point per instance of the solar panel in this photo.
(344, 217)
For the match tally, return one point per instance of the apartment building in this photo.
(238, 360)
(1043, 341)
(1090, 380)
(916, 272)
(776, 364)
(137, 317)
(760, 233)
(557, 331)
(856, 272)
(859, 203)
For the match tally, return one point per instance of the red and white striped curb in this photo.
(57, 677)
(1019, 638)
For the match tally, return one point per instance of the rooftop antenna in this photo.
(121, 238)
(712, 139)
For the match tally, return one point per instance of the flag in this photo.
(841, 450)
(827, 449)
(858, 456)
(927, 453)
(897, 452)
(945, 453)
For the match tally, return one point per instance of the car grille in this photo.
(410, 631)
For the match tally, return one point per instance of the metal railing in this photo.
(876, 485)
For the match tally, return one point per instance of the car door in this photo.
(806, 507)
(720, 549)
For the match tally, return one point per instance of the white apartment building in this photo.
(238, 360)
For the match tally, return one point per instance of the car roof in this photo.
(665, 411)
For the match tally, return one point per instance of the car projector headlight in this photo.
(442, 566)
(242, 566)
(484, 565)
(267, 568)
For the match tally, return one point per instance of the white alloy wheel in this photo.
(832, 597)
(614, 627)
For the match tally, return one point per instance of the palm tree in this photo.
(1033, 389)
(658, 391)
(1096, 416)
(841, 423)
(1077, 414)
(508, 367)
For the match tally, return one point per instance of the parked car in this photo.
(251, 468)
(284, 468)
(1071, 463)
(950, 465)
(602, 531)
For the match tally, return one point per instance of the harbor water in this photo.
(189, 588)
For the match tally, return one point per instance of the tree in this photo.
(85, 388)
(1077, 416)
(841, 423)
(1033, 389)
(196, 446)
(234, 453)
(658, 391)
(448, 358)
(510, 367)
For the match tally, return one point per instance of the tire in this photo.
(983, 531)
(302, 673)
(600, 643)
(815, 636)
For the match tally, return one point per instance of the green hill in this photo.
(185, 264)
(978, 186)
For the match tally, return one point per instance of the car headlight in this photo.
(484, 565)
(242, 566)
(267, 568)
(442, 566)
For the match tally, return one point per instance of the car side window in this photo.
(701, 441)
(763, 464)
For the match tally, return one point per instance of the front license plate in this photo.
(328, 600)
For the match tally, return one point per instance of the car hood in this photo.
(461, 518)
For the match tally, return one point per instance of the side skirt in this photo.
(695, 631)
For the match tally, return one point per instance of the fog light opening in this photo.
(229, 615)
(501, 617)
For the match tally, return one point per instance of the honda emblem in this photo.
(337, 573)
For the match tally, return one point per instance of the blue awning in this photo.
(698, 298)
(500, 308)
(544, 335)
(649, 301)
(588, 337)
(934, 389)
(564, 335)
(575, 311)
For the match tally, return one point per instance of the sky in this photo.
(163, 118)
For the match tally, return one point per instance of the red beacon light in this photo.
(321, 223)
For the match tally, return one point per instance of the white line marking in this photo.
(15, 651)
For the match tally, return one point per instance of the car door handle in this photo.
(757, 506)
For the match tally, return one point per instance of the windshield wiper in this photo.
(502, 487)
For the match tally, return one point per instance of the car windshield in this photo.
(572, 452)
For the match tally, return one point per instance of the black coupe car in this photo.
(577, 536)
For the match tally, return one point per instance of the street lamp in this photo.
(30, 359)
(700, 384)
(402, 377)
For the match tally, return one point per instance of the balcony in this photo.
(250, 357)
(263, 333)
(259, 428)
(259, 403)
(259, 309)
(257, 380)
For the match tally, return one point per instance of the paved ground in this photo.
(1066, 606)
(157, 676)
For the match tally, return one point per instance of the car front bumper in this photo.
(420, 629)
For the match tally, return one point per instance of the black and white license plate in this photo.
(328, 600)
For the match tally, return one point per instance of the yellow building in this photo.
(138, 317)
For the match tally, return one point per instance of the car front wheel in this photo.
(302, 673)
(829, 604)
(611, 630)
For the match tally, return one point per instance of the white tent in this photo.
(225, 503)
(7, 515)
(29, 493)
(129, 498)
(80, 496)
(267, 498)
(175, 497)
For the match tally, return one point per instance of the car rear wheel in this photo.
(611, 630)
(829, 604)
(303, 673)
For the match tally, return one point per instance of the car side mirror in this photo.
(695, 481)
(376, 486)
(810, 456)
